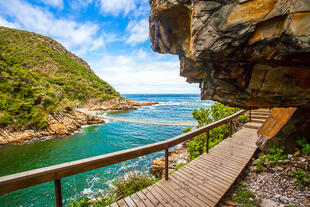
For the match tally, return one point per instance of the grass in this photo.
(38, 76)
(245, 197)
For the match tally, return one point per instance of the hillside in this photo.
(38, 77)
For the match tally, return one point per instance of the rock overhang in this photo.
(245, 53)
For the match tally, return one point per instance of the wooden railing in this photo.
(54, 173)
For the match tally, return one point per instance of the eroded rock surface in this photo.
(59, 124)
(245, 53)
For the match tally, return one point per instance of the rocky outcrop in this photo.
(59, 124)
(117, 104)
(64, 124)
(245, 53)
(176, 157)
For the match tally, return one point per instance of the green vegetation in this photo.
(273, 156)
(245, 197)
(302, 177)
(123, 187)
(179, 166)
(204, 116)
(38, 76)
(304, 144)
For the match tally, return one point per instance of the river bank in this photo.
(66, 123)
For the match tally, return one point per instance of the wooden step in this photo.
(258, 117)
(260, 113)
(252, 125)
(258, 120)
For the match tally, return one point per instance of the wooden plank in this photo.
(197, 194)
(208, 177)
(114, 205)
(175, 196)
(122, 203)
(130, 202)
(215, 172)
(211, 173)
(170, 199)
(198, 186)
(145, 200)
(217, 167)
(158, 196)
(236, 161)
(151, 198)
(178, 194)
(204, 180)
(137, 200)
(187, 191)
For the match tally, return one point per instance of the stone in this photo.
(279, 168)
(284, 199)
(268, 203)
(176, 157)
(242, 53)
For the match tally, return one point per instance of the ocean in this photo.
(173, 112)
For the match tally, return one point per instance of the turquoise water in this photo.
(96, 140)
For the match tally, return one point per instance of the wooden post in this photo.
(250, 116)
(230, 128)
(166, 164)
(207, 142)
(58, 195)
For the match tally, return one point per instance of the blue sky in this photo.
(111, 35)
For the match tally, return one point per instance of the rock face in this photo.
(245, 53)
(59, 124)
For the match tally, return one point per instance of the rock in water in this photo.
(245, 53)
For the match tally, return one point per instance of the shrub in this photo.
(204, 116)
(304, 144)
(302, 177)
(273, 156)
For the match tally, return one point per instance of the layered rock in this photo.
(59, 124)
(245, 53)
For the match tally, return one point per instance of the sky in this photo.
(111, 35)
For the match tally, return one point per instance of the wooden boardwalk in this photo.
(203, 181)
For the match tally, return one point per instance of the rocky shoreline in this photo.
(65, 124)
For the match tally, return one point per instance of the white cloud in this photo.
(142, 73)
(117, 7)
(138, 31)
(54, 3)
(79, 4)
(79, 37)
(5, 23)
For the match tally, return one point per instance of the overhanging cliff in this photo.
(245, 53)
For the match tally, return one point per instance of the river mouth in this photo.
(96, 140)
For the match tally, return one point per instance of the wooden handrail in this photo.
(25, 179)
